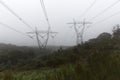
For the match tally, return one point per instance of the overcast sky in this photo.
(60, 12)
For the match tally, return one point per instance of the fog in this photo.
(60, 12)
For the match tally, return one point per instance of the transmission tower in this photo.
(42, 37)
(79, 28)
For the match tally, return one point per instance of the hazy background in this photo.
(60, 12)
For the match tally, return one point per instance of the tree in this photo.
(116, 31)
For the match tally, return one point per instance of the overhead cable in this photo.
(117, 13)
(5, 25)
(86, 11)
(106, 9)
(45, 12)
(15, 14)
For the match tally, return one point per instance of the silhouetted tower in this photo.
(79, 31)
(42, 36)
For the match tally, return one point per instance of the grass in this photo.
(63, 73)
(78, 71)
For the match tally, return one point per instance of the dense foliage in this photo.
(96, 59)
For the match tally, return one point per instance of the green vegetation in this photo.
(96, 59)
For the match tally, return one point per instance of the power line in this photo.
(86, 11)
(7, 26)
(15, 14)
(106, 9)
(44, 9)
(89, 1)
(45, 12)
(13, 29)
(107, 17)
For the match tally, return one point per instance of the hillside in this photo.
(96, 59)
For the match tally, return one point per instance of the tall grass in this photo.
(70, 72)
(97, 67)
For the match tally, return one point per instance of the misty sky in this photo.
(60, 12)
